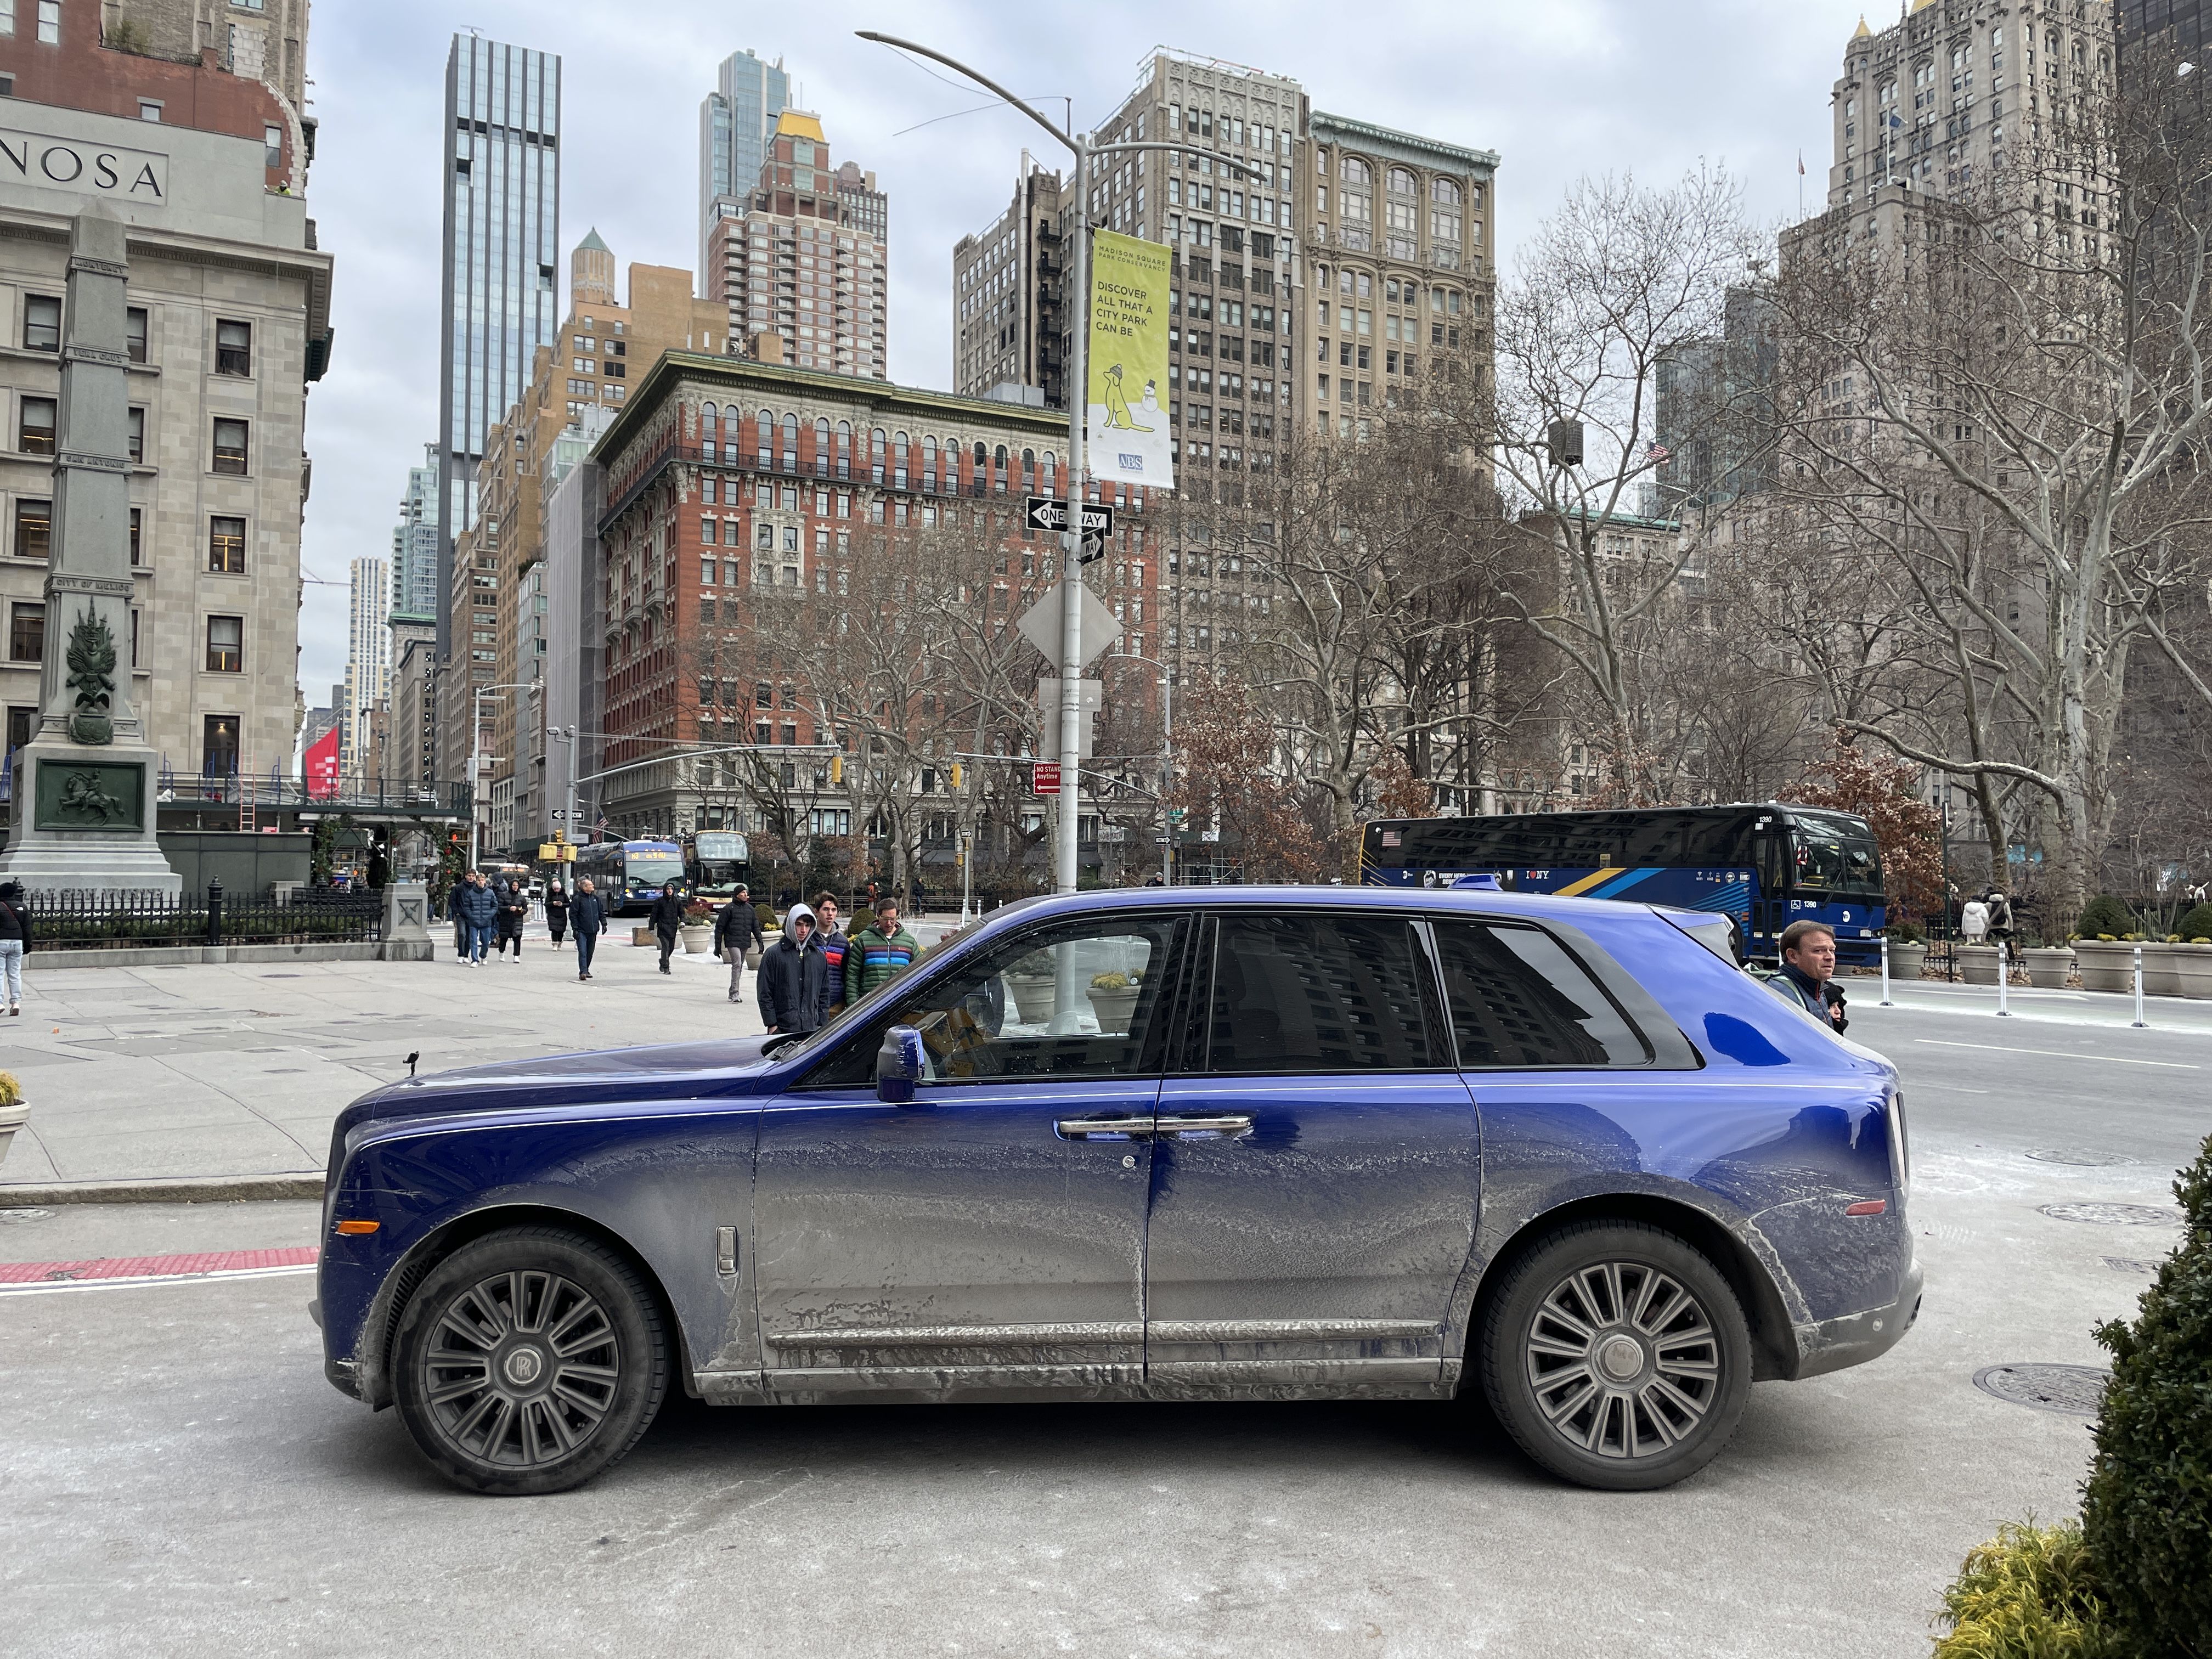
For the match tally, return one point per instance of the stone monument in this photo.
(83, 814)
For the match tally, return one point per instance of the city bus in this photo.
(716, 861)
(629, 875)
(1764, 867)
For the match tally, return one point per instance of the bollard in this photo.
(2003, 1012)
(1885, 1002)
(2140, 1021)
(215, 912)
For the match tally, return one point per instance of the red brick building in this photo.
(736, 489)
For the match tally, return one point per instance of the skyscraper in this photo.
(501, 292)
(368, 657)
(735, 125)
(415, 543)
(1008, 285)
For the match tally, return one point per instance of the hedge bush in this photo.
(2198, 924)
(2030, 1593)
(2147, 1509)
(2104, 915)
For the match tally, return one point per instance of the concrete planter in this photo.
(1906, 960)
(2192, 968)
(2106, 965)
(12, 1118)
(1115, 1008)
(2161, 970)
(697, 939)
(1033, 994)
(642, 936)
(1978, 963)
(2049, 966)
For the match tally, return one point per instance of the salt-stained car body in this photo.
(1264, 1143)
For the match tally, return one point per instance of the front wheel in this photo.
(1617, 1356)
(528, 1361)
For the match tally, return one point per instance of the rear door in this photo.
(1315, 1171)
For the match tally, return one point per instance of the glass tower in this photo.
(734, 124)
(415, 541)
(502, 301)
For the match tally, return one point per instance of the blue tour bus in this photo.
(1765, 866)
(629, 875)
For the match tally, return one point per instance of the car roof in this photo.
(1474, 901)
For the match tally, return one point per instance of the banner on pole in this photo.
(320, 764)
(1126, 428)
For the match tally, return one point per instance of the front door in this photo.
(989, 1237)
(1317, 1164)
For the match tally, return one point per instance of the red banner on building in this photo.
(320, 766)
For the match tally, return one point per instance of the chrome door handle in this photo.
(1226, 1126)
(1104, 1128)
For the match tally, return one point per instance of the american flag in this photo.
(1657, 454)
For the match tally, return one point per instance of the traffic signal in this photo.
(956, 775)
(836, 768)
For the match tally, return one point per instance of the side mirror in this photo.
(898, 1066)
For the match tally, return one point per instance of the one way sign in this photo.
(1050, 514)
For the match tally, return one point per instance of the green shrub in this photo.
(2030, 1593)
(2147, 1509)
(1906, 933)
(2104, 917)
(2198, 924)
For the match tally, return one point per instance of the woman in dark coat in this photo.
(556, 912)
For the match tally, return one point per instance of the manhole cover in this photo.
(24, 1215)
(2128, 1264)
(2078, 1155)
(2113, 1215)
(2077, 1389)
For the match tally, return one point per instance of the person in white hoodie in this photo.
(793, 981)
(1974, 920)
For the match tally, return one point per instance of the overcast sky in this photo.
(1558, 88)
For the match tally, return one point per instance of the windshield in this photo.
(1836, 855)
(653, 869)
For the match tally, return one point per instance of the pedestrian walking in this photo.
(587, 916)
(668, 920)
(1974, 919)
(881, 951)
(794, 977)
(514, 911)
(1807, 978)
(478, 907)
(737, 931)
(830, 937)
(2000, 920)
(556, 912)
(15, 943)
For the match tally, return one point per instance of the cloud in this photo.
(1558, 89)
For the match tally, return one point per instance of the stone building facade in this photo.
(1009, 284)
(229, 321)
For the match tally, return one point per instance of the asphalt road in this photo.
(179, 1480)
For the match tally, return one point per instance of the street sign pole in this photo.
(1071, 541)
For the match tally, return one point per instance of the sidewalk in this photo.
(2104, 1008)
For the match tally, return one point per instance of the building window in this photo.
(230, 446)
(226, 645)
(34, 524)
(50, 22)
(7, 31)
(42, 322)
(134, 439)
(27, 633)
(219, 746)
(149, 109)
(134, 333)
(272, 143)
(227, 546)
(233, 348)
(135, 515)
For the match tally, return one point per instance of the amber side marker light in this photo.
(354, 1228)
(1872, 1207)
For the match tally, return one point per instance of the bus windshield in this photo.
(1835, 855)
(652, 869)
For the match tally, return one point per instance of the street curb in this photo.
(186, 1189)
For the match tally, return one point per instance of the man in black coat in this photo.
(737, 930)
(667, 919)
(794, 977)
(587, 916)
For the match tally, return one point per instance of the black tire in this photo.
(1591, 1373)
(528, 1361)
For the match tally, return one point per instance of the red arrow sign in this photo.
(1044, 778)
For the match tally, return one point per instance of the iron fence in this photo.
(67, 920)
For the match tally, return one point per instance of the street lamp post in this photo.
(1078, 401)
(476, 762)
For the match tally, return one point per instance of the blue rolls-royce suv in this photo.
(1221, 1144)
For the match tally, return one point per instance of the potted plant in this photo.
(2049, 966)
(1032, 982)
(2192, 957)
(1978, 963)
(15, 1111)
(1907, 950)
(2102, 944)
(1114, 1000)
(698, 929)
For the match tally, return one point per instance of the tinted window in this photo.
(1517, 998)
(992, 1019)
(1320, 993)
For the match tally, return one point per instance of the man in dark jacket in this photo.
(1808, 973)
(794, 977)
(14, 941)
(588, 915)
(513, 908)
(478, 907)
(737, 930)
(667, 919)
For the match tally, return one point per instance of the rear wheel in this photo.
(1617, 1356)
(528, 1361)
